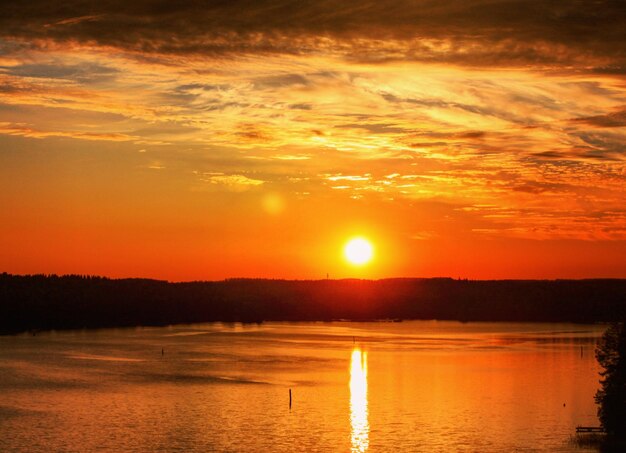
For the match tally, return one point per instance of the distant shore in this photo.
(48, 302)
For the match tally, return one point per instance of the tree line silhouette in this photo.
(42, 302)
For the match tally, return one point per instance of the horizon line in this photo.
(278, 279)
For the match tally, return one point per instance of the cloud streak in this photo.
(504, 32)
(510, 113)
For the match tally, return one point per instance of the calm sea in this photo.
(420, 386)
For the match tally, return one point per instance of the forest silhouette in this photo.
(44, 302)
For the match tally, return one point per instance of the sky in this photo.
(197, 140)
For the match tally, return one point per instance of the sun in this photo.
(358, 251)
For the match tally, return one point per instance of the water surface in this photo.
(356, 387)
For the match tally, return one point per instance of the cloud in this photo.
(234, 182)
(613, 119)
(73, 20)
(86, 72)
(26, 131)
(291, 157)
(506, 103)
(511, 32)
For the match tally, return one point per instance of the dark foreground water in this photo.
(380, 387)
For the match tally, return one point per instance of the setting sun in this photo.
(358, 251)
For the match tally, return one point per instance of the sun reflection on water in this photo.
(359, 422)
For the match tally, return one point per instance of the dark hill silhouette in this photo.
(41, 302)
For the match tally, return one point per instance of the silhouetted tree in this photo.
(43, 302)
(611, 398)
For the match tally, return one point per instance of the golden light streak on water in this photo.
(359, 423)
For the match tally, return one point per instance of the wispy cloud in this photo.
(512, 110)
(233, 181)
(489, 33)
(26, 131)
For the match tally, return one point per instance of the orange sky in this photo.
(203, 141)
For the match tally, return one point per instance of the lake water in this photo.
(420, 386)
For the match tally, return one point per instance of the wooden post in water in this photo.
(289, 398)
